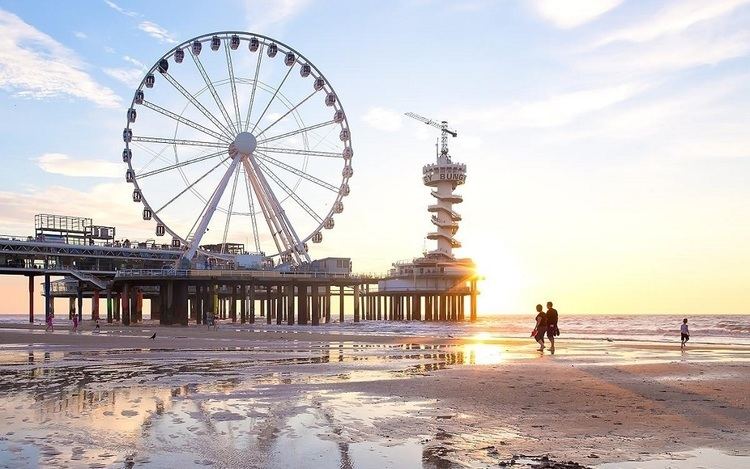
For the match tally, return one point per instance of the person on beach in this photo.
(541, 327)
(552, 329)
(98, 327)
(75, 323)
(684, 333)
(50, 323)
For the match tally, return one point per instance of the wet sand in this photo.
(314, 397)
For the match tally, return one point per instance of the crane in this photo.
(444, 132)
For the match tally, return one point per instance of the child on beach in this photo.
(50, 322)
(684, 333)
(75, 323)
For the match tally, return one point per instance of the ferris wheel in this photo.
(236, 139)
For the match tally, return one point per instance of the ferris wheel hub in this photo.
(245, 143)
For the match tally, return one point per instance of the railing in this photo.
(181, 273)
(121, 244)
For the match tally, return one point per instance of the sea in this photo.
(705, 329)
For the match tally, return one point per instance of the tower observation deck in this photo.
(438, 282)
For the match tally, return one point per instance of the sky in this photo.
(606, 141)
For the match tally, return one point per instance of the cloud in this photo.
(668, 54)
(34, 65)
(156, 31)
(107, 203)
(133, 61)
(263, 14)
(674, 18)
(129, 76)
(80, 35)
(554, 111)
(59, 163)
(121, 10)
(571, 13)
(386, 120)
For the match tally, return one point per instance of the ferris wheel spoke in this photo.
(251, 207)
(255, 85)
(213, 202)
(276, 91)
(276, 230)
(290, 192)
(212, 89)
(286, 113)
(296, 171)
(295, 132)
(155, 155)
(185, 121)
(175, 141)
(233, 84)
(229, 211)
(294, 151)
(191, 185)
(180, 164)
(199, 106)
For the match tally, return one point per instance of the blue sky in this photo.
(606, 141)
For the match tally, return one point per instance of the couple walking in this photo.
(546, 323)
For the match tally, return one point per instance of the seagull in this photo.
(153, 336)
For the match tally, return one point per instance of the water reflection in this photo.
(483, 354)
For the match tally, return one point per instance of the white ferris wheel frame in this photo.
(289, 250)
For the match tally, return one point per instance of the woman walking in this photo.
(541, 327)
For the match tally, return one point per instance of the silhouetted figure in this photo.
(684, 333)
(552, 329)
(540, 328)
(153, 336)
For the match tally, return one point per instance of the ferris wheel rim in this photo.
(226, 36)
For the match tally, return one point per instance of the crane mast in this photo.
(444, 132)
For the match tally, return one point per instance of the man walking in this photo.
(552, 329)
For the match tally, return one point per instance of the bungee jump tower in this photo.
(437, 283)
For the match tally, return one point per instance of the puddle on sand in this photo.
(703, 458)
(163, 408)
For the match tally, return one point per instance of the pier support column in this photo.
(302, 304)
(341, 304)
(416, 307)
(279, 304)
(47, 297)
(356, 303)
(79, 293)
(179, 294)
(428, 308)
(268, 305)
(95, 306)
(315, 305)
(243, 303)
(327, 304)
(473, 303)
(233, 304)
(138, 305)
(31, 299)
(290, 305)
(125, 303)
(109, 306)
(441, 314)
(165, 314)
(155, 306)
(251, 301)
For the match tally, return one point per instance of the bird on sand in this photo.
(153, 336)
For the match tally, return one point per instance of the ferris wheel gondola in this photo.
(234, 134)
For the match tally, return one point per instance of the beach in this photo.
(333, 396)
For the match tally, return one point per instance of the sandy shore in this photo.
(429, 401)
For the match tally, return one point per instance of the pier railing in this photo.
(235, 274)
